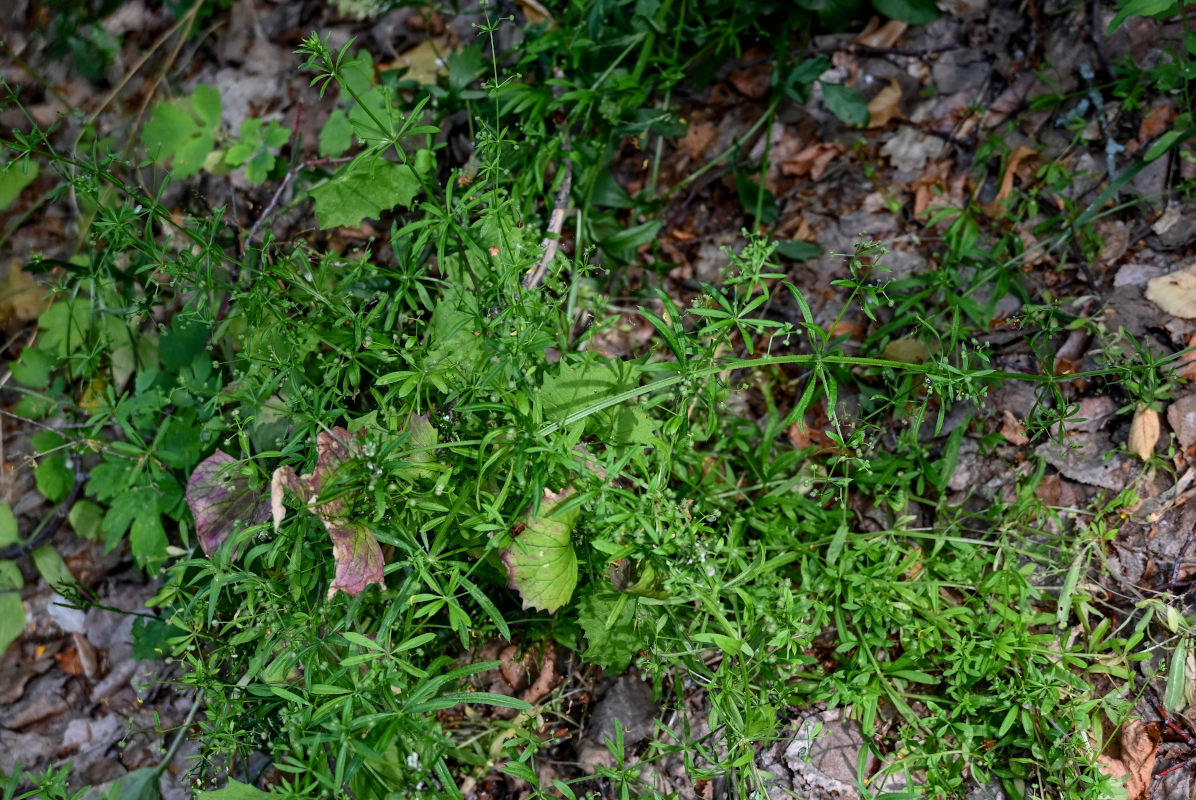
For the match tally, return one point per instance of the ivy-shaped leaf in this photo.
(355, 551)
(222, 501)
(541, 563)
(366, 187)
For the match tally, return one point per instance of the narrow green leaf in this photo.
(1177, 679)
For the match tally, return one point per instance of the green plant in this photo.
(353, 470)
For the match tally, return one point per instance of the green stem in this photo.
(806, 360)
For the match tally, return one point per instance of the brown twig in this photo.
(556, 224)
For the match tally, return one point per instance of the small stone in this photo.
(68, 620)
(1181, 416)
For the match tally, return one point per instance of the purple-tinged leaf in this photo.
(355, 551)
(222, 501)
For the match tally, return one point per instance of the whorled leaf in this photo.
(541, 563)
(221, 500)
(355, 551)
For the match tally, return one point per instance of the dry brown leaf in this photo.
(21, 299)
(1019, 155)
(1185, 366)
(756, 80)
(907, 351)
(883, 107)
(1144, 432)
(1139, 748)
(884, 36)
(697, 139)
(547, 680)
(812, 161)
(928, 187)
(1157, 120)
(1175, 292)
(1013, 430)
(425, 62)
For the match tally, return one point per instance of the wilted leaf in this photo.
(222, 501)
(883, 106)
(355, 551)
(1013, 430)
(907, 351)
(1144, 432)
(1175, 292)
(541, 563)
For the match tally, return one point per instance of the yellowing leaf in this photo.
(541, 563)
(883, 106)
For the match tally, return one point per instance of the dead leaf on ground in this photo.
(754, 81)
(21, 299)
(424, 62)
(883, 107)
(1014, 430)
(1175, 292)
(1157, 120)
(907, 351)
(813, 161)
(1144, 432)
(1135, 753)
(997, 206)
(697, 139)
(804, 435)
(1185, 365)
(884, 36)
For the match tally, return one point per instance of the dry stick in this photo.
(555, 225)
(272, 206)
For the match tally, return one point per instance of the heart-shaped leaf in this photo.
(541, 563)
(222, 500)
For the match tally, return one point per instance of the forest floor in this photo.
(958, 118)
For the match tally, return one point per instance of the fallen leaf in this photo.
(222, 501)
(883, 106)
(1014, 430)
(884, 36)
(1144, 432)
(1020, 154)
(21, 299)
(907, 351)
(1175, 292)
(355, 551)
(812, 161)
(425, 62)
(1139, 748)
(548, 679)
(754, 81)
(1157, 120)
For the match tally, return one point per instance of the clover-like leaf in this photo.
(222, 500)
(355, 551)
(541, 563)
